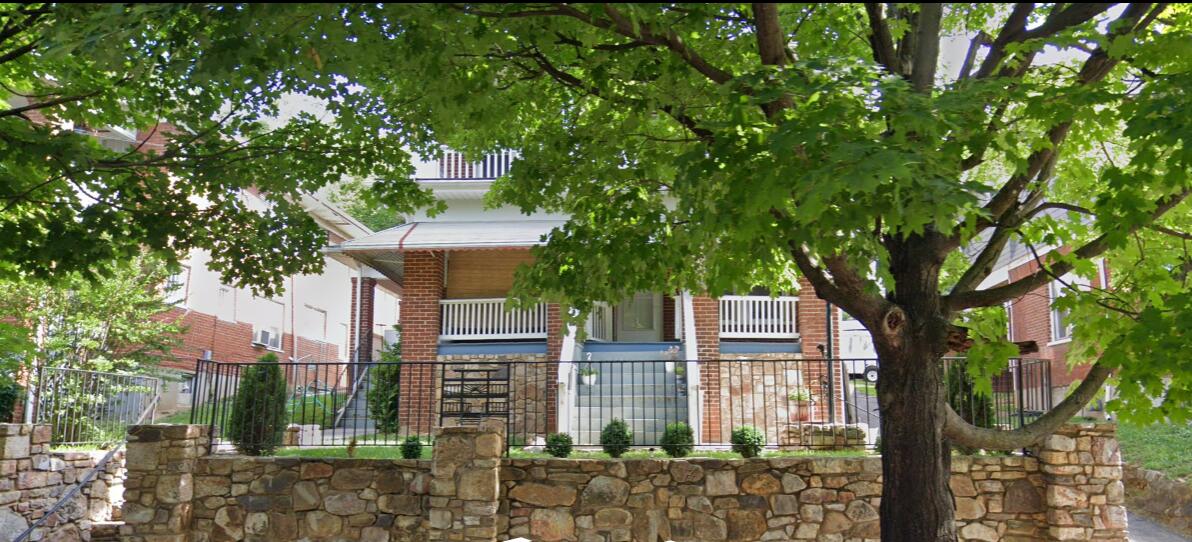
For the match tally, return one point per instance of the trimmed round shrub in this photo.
(558, 444)
(259, 408)
(678, 440)
(616, 437)
(748, 441)
(411, 448)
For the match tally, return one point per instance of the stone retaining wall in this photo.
(33, 479)
(1071, 491)
(1155, 495)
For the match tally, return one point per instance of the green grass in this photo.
(316, 411)
(362, 452)
(697, 454)
(1161, 447)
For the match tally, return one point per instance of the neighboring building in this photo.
(309, 322)
(455, 271)
(1033, 317)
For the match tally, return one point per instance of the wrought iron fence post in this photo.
(831, 393)
(1021, 406)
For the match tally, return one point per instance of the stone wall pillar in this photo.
(159, 484)
(1082, 470)
(464, 487)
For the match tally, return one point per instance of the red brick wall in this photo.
(813, 322)
(668, 317)
(554, 348)
(1031, 321)
(420, 335)
(359, 333)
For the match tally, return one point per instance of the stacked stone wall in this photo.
(33, 479)
(1070, 490)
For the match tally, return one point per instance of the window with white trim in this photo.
(267, 336)
(176, 286)
(1061, 325)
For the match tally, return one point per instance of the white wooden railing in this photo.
(758, 317)
(487, 319)
(600, 323)
(453, 165)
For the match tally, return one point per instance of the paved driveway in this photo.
(1145, 530)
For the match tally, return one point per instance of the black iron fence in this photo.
(91, 408)
(795, 403)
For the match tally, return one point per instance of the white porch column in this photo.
(565, 396)
(691, 356)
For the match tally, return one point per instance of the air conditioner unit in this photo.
(269, 338)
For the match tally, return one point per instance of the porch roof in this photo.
(383, 250)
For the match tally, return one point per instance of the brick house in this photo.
(1034, 318)
(456, 269)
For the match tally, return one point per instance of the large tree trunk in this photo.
(916, 464)
(911, 338)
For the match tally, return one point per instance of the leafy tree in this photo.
(258, 416)
(207, 80)
(364, 205)
(384, 390)
(116, 323)
(703, 147)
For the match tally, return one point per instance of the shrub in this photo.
(384, 390)
(616, 437)
(259, 408)
(678, 440)
(558, 444)
(411, 448)
(10, 393)
(748, 441)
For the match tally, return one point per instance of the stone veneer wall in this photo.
(1159, 497)
(33, 479)
(1071, 491)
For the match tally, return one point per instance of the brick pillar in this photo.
(1082, 471)
(813, 326)
(159, 483)
(420, 315)
(554, 350)
(707, 336)
(464, 488)
(363, 335)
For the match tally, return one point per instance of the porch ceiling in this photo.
(383, 250)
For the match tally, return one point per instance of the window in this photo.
(1061, 326)
(176, 286)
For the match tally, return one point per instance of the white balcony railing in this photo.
(488, 319)
(600, 323)
(453, 165)
(758, 317)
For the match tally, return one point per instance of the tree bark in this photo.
(911, 338)
(916, 458)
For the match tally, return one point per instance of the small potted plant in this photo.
(799, 404)
(589, 375)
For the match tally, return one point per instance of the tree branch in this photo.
(1092, 249)
(926, 47)
(771, 47)
(957, 430)
(880, 39)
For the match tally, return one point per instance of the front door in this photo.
(639, 318)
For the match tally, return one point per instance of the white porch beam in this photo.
(690, 357)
